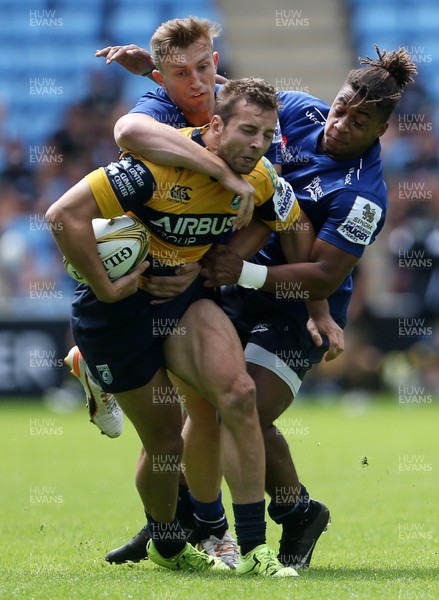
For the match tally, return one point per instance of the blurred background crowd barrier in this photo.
(58, 106)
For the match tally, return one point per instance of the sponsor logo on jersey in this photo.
(277, 137)
(361, 222)
(314, 189)
(183, 230)
(126, 176)
(314, 119)
(283, 199)
(348, 178)
(271, 171)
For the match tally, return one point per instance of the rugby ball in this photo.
(123, 243)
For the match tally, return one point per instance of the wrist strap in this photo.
(148, 73)
(252, 276)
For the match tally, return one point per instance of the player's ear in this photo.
(216, 124)
(215, 59)
(382, 129)
(158, 78)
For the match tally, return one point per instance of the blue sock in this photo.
(210, 517)
(283, 513)
(250, 525)
(168, 538)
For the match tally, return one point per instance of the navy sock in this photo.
(185, 508)
(250, 525)
(288, 514)
(168, 538)
(210, 517)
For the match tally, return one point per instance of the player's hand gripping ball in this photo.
(123, 243)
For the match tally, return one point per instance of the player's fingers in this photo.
(315, 334)
(335, 349)
(112, 52)
(133, 50)
(118, 55)
(131, 279)
(103, 51)
(245, 213)
(141, 267)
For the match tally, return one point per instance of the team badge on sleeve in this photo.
(283, 199)
(271, 171)
(361, 222)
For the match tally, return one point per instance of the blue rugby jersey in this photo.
(346, 200)
(159, 106)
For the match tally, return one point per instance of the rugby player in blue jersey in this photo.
(331, 157)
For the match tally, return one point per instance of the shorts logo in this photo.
(260, 327)
(105, 373)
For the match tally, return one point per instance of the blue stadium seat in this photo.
(131, 23)
(198, 8)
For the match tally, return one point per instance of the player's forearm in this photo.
(297, 244)
(247, 241)
(164, 145)
(71, 226)
(77, 243)
(310, 280)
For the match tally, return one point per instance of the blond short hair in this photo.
(179, 34)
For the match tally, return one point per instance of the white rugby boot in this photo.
(103, 408)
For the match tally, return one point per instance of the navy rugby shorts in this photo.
(122, 342)
(273, 334)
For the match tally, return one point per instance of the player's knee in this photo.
(270, 408)
(239, 400)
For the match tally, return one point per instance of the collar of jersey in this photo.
(197, 134)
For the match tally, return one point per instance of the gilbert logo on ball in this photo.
(123, 243)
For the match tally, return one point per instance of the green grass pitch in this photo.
(67, 498)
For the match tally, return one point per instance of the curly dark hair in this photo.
(383, 80)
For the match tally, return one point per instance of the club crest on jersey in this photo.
(236, 203)
(105, 373)
(180, 193)
(361, 222)
(314, 189)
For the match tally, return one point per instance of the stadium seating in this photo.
(394, 23)
(55, 40)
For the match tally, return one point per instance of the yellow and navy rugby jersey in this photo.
(186, 212)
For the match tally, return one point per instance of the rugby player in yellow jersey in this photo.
(183, 62)
(114, 322)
